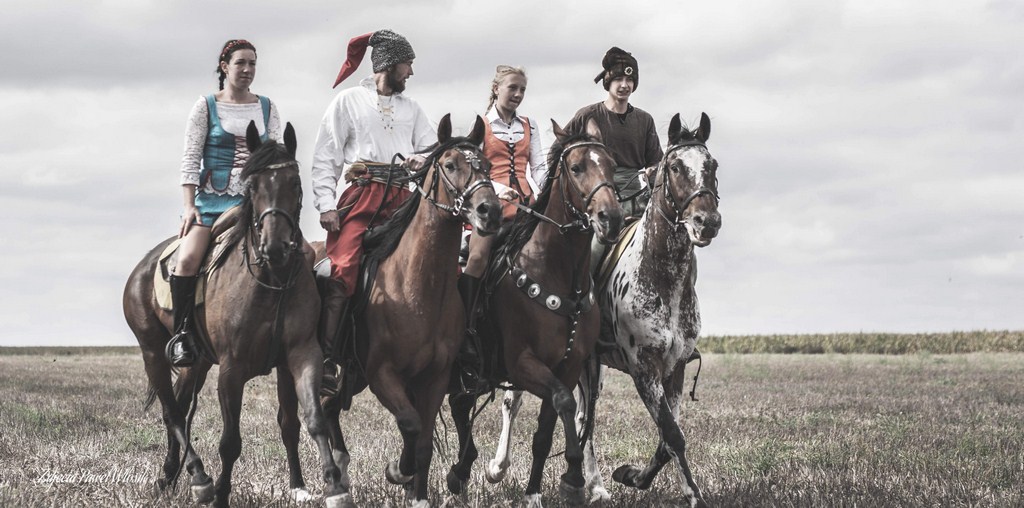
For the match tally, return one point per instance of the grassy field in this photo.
(770, 430)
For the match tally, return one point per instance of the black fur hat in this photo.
(618, 63)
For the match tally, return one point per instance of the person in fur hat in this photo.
(361, 131)
(627, 131)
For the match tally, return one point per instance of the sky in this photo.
(870, 152)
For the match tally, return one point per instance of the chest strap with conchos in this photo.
(561, 305)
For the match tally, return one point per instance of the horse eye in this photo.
(576, 169)
(675, 168)
(449, 165)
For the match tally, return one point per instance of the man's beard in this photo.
(396, 85)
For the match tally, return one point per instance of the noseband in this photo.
(582, 217)
(680, 220)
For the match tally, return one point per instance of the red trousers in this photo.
(345, 247)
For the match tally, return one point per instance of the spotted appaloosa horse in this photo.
(649, 308)
(260, 311)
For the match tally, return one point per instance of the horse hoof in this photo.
(394, 474)
(626, 475)
(204, 493)
(456, 485)
(532, 501)
(300, 495)
(572, 495)
(340, 501)
(599, 496)
(495, 473)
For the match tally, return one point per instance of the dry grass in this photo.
(770, 430)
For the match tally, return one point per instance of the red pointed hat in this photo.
(389, 48)
(356, 51)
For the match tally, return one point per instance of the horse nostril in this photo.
(482, 209)
(698, 219)
(602, 216)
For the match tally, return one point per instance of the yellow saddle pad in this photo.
(612, 255)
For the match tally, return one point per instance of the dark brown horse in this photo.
(543, 307)
(415, 319)
(260, 311)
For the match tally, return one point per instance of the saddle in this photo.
(226, 232)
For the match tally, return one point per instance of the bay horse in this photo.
(414, 321)
(649, 308)
(260, 311)
(541, 308)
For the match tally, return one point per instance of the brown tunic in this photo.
(630, 137)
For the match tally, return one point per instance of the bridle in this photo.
(582, 222)
(256, 230)
(458, 199)
(680, 219)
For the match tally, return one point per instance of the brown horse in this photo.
(414, 321)
(543, 306)
(260, 311)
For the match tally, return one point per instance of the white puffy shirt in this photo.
(358, 126)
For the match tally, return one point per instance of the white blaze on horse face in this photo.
(694, 160)
(596, 157)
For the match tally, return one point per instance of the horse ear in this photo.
(560, 134)
(444, 129)
(593, 131)
(704, 131)
(675, 128)
(477, 136)
(252, 137)
(289, 139)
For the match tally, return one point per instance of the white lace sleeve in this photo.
(274, 123)
(195, 140)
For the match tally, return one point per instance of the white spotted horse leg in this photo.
(498, 466)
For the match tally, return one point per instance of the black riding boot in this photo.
(472, 364)
(181, 348)
(333, 302)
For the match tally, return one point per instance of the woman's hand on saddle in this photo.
(415, 162)
(329, 221)
(508, 194)
(188, 219)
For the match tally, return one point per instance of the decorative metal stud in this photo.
(533, 290)
(553, 302)
(521, 281)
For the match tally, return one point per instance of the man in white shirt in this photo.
(364, 126)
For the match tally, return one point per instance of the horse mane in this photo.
(380, 242)
(512, 241)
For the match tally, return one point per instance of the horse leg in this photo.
(309, 366)
(230, 385)
(674, 393)
(498, 466)
(390, 391)
(590, 385)
(158, 370)
(461, 408)
(332, 417)
(428, 403)
(652, 394)
(536, 378)
(288, 420)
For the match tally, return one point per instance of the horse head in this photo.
(587, 169)
(274, 195)
(466, 173)
(689, 182)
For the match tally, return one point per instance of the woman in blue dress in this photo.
(215, 153)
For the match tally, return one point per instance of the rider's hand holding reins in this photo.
(508, 194)
(415, 162)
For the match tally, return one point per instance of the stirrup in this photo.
(178, 352)
(330, 383)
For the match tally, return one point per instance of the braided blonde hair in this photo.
(499, 74)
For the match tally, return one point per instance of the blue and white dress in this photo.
(215, 150)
